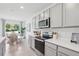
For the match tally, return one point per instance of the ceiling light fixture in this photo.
(21, 7)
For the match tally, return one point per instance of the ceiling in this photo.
(12, 11)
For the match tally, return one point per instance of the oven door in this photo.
(40, 45)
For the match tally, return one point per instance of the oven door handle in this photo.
(39, 40)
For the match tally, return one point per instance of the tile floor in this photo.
(19, 50)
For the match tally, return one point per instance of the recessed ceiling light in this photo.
(21, 7)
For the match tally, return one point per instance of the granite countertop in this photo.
(64, 43)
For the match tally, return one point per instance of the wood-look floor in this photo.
(19, 50)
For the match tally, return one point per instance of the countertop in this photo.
(64, 43)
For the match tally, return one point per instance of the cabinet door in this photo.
(56, 15)
(34, 23)
(68, 51)
(61, 54)
(46, 14)
(33, 42)
(30, 41)
(49, 51)
(71, 14)
(53, 46)
(37, 21)
(41, 16)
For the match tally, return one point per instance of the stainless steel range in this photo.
(40, 45)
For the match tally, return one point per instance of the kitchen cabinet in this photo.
(34, 22)
(46, 14)
(56, 15)
(37, 21)
(67, 52)
(56, 50)
(31, 42)
(41, 16)
(71, 14)
(61, 54)
(50, 49)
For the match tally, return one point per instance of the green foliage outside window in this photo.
(16, 27)
(22, 30)
(12, 27)
(8, 27)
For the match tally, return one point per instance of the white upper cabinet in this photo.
(37, 21)
(34, 22)
(41, 16)
(56, 15)
(46, 14)
(71, 14)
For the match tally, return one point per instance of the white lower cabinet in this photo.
(31, 42)
(56, 50)
(61, 54)
(68, 51)
(50, 49)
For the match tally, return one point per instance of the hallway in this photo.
(19, 50)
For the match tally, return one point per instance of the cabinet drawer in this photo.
(49, 51)
(61, 54)
(53, 46)
(68, 51)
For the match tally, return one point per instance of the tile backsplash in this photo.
(63, 32)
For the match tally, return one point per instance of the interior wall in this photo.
(0, 28)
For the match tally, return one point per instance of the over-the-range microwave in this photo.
(44, 23)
